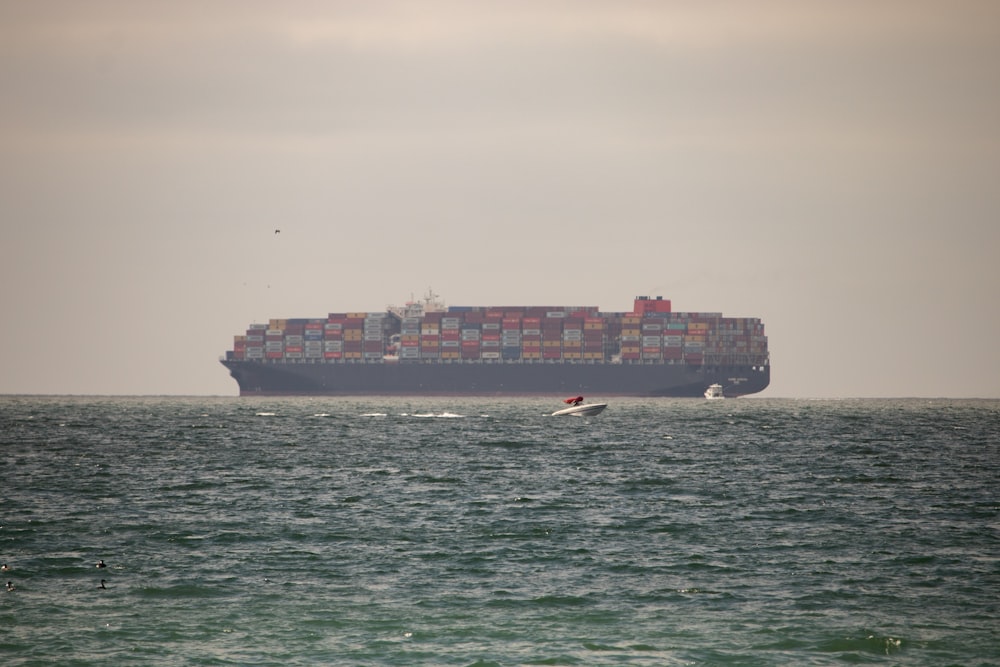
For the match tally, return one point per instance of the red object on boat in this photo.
(574, 400)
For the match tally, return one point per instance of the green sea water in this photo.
(486, 532)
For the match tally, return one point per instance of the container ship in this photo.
(426, 348)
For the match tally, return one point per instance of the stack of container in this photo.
(649, 334)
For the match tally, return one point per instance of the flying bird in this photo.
(277, 231)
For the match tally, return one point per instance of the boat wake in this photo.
(431, 415)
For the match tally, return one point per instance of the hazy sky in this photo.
(830, 167)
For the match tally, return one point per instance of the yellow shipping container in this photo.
(632, 332)
(695, 338)
(552, 343)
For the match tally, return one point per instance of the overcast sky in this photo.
(829, 167)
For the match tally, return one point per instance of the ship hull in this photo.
(257, 378)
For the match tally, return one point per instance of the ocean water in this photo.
(482, 532)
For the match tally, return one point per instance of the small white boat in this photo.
(714, 392)
(578, 408)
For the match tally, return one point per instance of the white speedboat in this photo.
(578, 408)
(714, 392)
